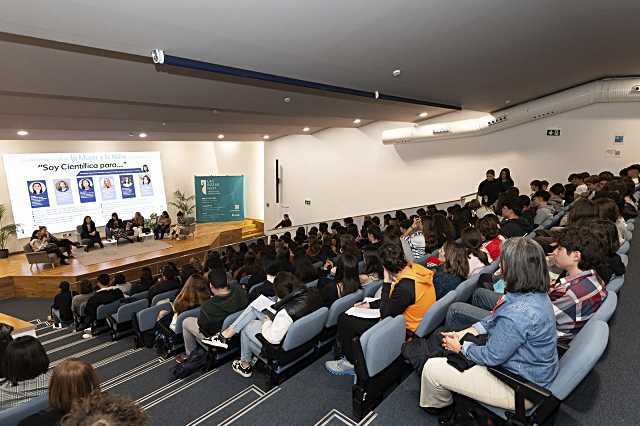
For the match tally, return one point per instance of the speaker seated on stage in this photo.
(89, 234)
(163, 224)
(39, 242)
(167, 282)
(177, 228)
(105, 294)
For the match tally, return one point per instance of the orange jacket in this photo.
(425, 293)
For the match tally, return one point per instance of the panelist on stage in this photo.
(89, 232)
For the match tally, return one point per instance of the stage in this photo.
(18, 280)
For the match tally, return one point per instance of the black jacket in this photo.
(403, 296)
(611, 266)
(86, 229)
(491, 189)
(101, 297)
(215, 310)
(515, 227)
(140, 286)
(300, 302)
(62, 302)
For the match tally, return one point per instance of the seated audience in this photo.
(513, 225)
(25, 368)
(61, 312)
(225, 301)
(163, 224)
(407, 290)
(103, 409)
(193, 294)
(167, 282)
(304, 270)
(70, 381)
(489, 227)
(472, 242)
(373, 270)
(485, 209)
(520, 337)
(413, 237)
(294, 302)
(375, 237)
(144, 283)
(607, 209)
(120, 281)
(612, 266)
(346, 280)
(104, 294)
(79, 301)
(556, 197)
(89, 232)
(543, 210)
(453, 270)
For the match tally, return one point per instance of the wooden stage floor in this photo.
(18, 280)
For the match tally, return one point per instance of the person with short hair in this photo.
(490, 187)
(543, 210)
(101, 408)
(375, 237)
(25, 368)
(520, 337)
(144, 282)
(513, 225)
(284, 223)
(177, 228)
(167, 282)
(104, 295)
(225, 301)
(70, 381)
(556, 196)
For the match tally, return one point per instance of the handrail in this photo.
(358, 218)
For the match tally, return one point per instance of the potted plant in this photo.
(6, 232)
(182, 203)
(150, 222)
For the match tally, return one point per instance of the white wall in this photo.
(180, 162)
(350, 172)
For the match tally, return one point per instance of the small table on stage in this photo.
(20, 327)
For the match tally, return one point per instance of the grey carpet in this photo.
(26, 309)
(123, 250)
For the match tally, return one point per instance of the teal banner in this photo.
(219, 198)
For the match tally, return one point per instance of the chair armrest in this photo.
(523, 388)
(268, 349)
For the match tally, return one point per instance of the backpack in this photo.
(165, 339)
(197, 361)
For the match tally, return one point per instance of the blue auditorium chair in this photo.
(436, 314)
(337, 308)
(378, 363)
(13, 416)
(215, 355)
(490, 268)
(298, 344)
(371, 288)
(625, 259)
(624, 248)
(140, 296)
(615, 284)
(583, 354)
(143, 323)
(121, 319)
(606, 309)
(171, 294)
(102, 313)
(465, 289)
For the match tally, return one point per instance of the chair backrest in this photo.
(607, 308)
(189, 220)
(103, 311)
(585, 350)
(13, 416)
(371, 288)
(245, 280)
(434, 317)
(186, 314)
(128, 310)
(171, 294)
(27, 248)
(140, 296)
(305, 329)
(312, 284)
(465, 289)
(615, 284)
(147, 317)
(546, 224)
(382, 344)
(341, 305)
(624, 248)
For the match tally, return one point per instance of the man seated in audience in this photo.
(104, 295)
(576, 294)
(556, 196)
(167, 282)
(375, 237)
(407, 290)
(513, 225)
(543, 210)
(490, 187)
(225, 301)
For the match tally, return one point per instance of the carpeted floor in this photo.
(112, 252)
(313, 397)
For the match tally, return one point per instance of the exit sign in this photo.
(553, 132)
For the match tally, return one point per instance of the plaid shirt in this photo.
(575, 300)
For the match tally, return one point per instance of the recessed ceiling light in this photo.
(220, 136)
(357, 121)
(164, 123)
(265, 137)
(396, 73)
(22, 133)
(507, 102)
(287, 100)
(423, 114)
(215, 111)
(305, 129)
(142, 135)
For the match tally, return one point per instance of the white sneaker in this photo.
(216, 340)
(87, 336)
(341, 367)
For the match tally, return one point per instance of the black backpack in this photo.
(197, 361)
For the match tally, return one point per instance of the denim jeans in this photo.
(248, 339)
(249, 314)
(462, 315)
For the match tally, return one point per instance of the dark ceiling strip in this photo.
(256, 75)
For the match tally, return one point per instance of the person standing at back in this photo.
(490, 187)
(284, 223)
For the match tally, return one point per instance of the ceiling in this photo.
(93, 77)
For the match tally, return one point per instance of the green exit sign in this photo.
(553, 132)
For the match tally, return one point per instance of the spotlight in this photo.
(22, 133)
(220, 136)
(306, 129)
(142, 135)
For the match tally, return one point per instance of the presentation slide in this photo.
(59, 190)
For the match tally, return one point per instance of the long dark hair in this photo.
(456, 262)
(347, 274)
(472, 241)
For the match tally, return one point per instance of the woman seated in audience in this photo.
(301, 235)
(607, 209)
(580, 210)
(71, 381)
(103, 409)
(61, 312)
(346, 280)
(489, 227)
(89, 232)
(304, 269)
(144, 283)
(612, 264)
(373, 270)
(443, 229)
(453, 270)
(193, 294)
(79, 301)
(521, 338)
(630, 208)
(329, 247)
(407, 290)
(472, 242)
(120, 281)
(294, 302)
(25, 368)
(137, 226)
(163, 224)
